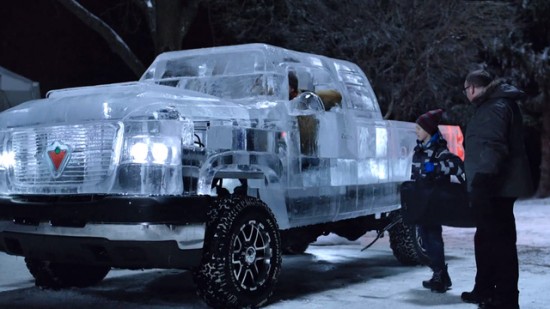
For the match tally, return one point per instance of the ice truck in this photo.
(205, 164)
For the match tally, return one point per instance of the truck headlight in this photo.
(138, 152)
(159, 152)
(7, 159)
(152, 150)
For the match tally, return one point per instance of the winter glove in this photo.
(428, 167)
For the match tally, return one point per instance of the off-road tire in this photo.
(242, 254)
(406, 244)
(64, 275)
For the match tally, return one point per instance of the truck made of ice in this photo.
(205, 164)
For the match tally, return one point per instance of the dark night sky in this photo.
(42, 41)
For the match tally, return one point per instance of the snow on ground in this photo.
(334, 273)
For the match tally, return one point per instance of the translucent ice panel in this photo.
(344, 172)
(235, 87)
(372, 170)
(230, 72)
(401, 147)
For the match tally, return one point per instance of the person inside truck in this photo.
(330, 98)
(308, 124)
(432, 161)
(292, 85)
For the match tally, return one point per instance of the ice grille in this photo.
(92, 149)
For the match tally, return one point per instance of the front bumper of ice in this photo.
(126, 232)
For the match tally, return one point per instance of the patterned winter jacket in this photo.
(434, 161)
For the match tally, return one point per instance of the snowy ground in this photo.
(333, 273)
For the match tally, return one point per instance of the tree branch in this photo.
(149, 10)
(115, 42)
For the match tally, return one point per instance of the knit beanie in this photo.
(430, 120)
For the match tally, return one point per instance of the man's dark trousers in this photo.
(495, 249)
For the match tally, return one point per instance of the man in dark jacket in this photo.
(498, 173)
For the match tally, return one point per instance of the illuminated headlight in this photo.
(156, 150)
(7, 159)
(139, 152)
(159, 152)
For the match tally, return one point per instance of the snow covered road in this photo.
(333, 273)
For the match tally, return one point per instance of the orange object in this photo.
(453, 136)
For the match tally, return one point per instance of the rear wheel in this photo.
(406, 244)
(63, 275)
(242, 254)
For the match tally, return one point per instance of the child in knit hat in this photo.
(430, 120)
(432, 161)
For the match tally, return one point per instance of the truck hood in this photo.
(118, 102)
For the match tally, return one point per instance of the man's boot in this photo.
(507, 301)
(447, 278)
(440, 281)
(477, 296)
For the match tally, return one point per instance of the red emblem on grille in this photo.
(58, 155)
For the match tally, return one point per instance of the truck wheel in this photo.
(63, 275)
(242, 255)
(406, 244)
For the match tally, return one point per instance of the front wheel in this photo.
(406, 243)
(242, 255)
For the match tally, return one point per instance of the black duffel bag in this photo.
(427, 202)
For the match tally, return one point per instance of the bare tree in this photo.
(544, 187)
(531, 57)
(524, 58)
(534, 67)
(168, 22)
(116, 43)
